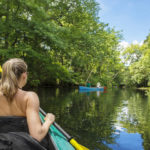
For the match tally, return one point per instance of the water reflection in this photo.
(118, 119)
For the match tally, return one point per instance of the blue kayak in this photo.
(84, 88)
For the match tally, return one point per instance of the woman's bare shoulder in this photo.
(31, 94)
(32, 97)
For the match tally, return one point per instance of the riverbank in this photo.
(144, 88)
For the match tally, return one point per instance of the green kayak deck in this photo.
(59, 140)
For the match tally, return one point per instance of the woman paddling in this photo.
(20, 106)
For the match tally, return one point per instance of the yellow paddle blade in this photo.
(77, 146)
(83, 147)
(0, 68)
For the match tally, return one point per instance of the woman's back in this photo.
(17, 107)
(14, 127)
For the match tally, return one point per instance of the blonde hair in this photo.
(11, 73)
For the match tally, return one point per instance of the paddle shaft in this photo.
(58, 127)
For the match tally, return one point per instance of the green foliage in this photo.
(60, 40)
(139, 58)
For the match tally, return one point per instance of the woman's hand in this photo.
(50, 117)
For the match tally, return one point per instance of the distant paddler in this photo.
(98, 85)
(88, 84)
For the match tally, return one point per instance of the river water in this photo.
(117, 119)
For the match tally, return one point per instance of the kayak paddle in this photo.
(70, 139)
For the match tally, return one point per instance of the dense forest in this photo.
(137, 72)
(64, 42)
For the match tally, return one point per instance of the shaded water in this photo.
(117, 119)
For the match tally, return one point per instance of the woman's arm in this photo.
(36, 129)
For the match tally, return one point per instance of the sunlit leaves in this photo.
(65, 39)
(139, 58)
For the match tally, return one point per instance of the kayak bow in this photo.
(70, 139)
